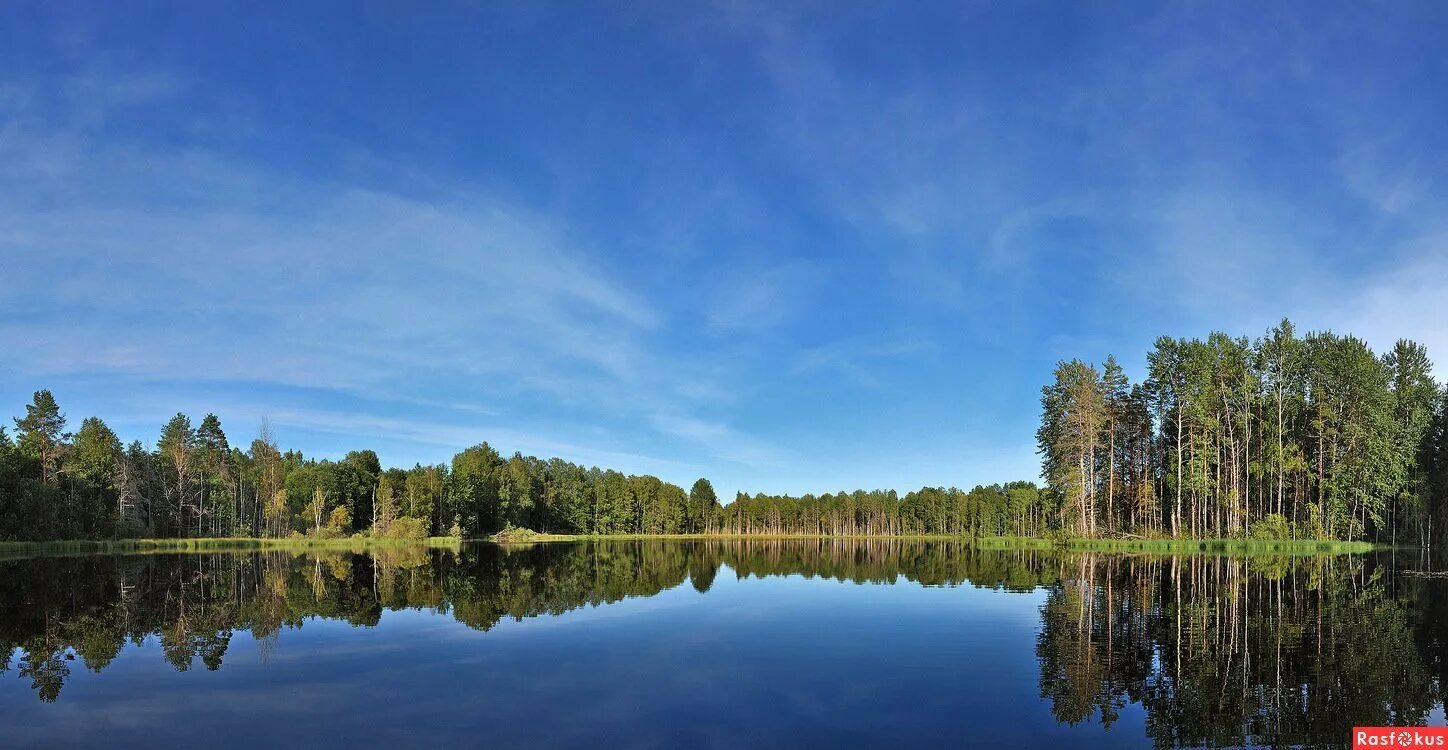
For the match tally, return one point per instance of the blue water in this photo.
(788, 658)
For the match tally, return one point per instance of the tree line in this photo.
(1278, 437)
(1011, 509)
(55, 484)
(194, 483)
(1281, 436)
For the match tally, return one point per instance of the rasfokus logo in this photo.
(1399, 737)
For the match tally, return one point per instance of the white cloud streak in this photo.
(148, 267)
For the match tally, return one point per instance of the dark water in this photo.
(721, 643)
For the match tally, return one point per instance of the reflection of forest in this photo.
(1231, 651)
(1218, 650)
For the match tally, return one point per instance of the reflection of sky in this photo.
(777, 661)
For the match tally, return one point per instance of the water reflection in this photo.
(1215, 650)
(1229, 651)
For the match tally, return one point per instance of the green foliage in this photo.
(39, 433)
(1273, 526)
(1226, 433)
(407, 527)
(1074, 415)
(703, 506)
(517, 535)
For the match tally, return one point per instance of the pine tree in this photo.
(1415, 397)
(39, 433)
(1115, 389)
(1073, 416)
(704, 505)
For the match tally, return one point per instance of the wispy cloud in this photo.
(1405, 301)
(756, 298)
(190, 266)
(724, 442)
(856, 358)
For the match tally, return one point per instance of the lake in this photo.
(716, 643)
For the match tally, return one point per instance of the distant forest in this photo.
(1282, 437)
(195, 483)
(1309, 437)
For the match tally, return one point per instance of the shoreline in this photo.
(57, 548)
(79, 547)
(1072, 544)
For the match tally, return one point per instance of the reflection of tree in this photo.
(1232, 651)
(1217, 650)
(1078, 657)
(92, 606)
(702, 573)
(46, 669)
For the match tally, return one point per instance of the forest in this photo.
(88, 485)
(1281, 436)
(56, 484)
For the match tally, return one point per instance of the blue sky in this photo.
(788, 246)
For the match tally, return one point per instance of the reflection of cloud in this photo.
(115, 712)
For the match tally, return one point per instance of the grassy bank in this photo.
(61, 548)
(13, 550)
(1164, 546)
(1182, 546)
(531, 537)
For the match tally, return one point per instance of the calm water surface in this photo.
(715, 644)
